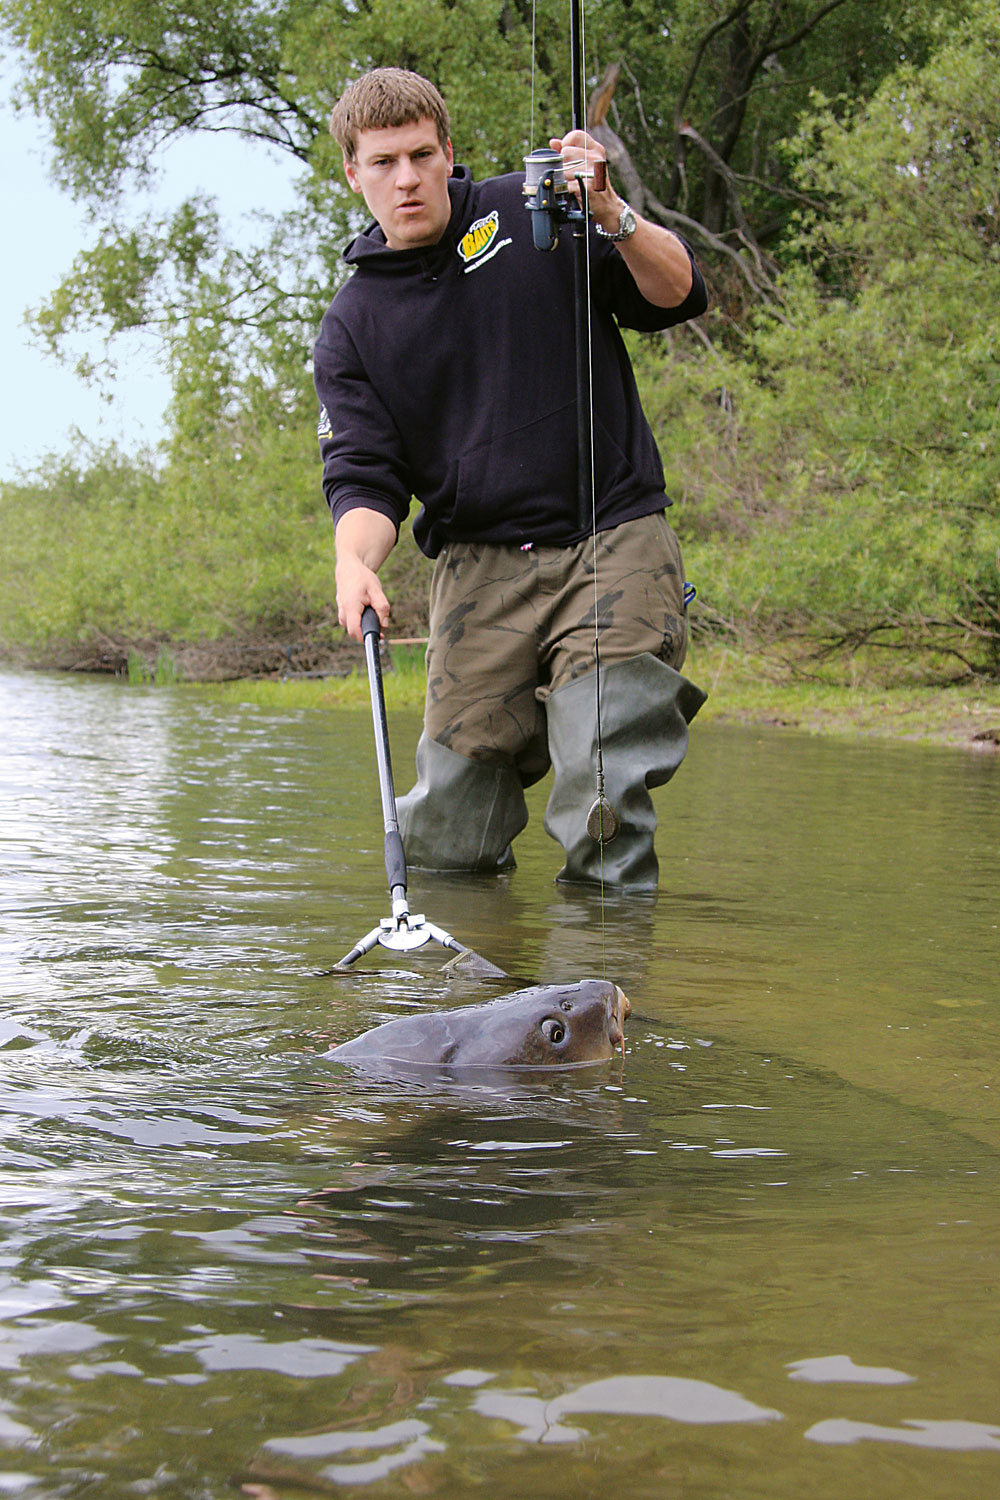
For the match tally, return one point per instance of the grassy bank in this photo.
(745, 686)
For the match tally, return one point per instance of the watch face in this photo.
(626, 224)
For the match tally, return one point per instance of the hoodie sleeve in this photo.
(363, 461)
(615, 289)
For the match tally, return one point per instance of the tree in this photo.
(863, 430)
(706, 97)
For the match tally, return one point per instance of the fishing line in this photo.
(602, 822)
(534, 33)
(601, 801)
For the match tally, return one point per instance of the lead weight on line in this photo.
(602, 821)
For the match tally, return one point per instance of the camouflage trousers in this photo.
(510, 626)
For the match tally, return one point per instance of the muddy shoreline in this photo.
(279, 654)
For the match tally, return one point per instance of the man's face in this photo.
(403, 174)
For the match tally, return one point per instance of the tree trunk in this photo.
(734, 88)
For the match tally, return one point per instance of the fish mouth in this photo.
(618, 1008)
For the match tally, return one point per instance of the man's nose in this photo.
(406, 173)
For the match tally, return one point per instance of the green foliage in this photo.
(163, 673)
(740, 76)
(853, 468)
(117, 78)
(478, 52)
(72, 546)
(117, 546)
(230, 535)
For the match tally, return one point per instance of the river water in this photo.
(756, 1258)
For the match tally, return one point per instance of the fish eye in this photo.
(554, 1032)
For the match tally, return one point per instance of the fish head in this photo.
(547, 1026)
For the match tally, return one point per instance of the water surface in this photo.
(758, 1258)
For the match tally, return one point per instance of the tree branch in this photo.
(702, 47)
(794, 37)
(642, 200)
(725, 171)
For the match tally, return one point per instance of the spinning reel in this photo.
(550, 200)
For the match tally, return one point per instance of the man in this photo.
(445, 368)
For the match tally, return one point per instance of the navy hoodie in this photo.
(449, 373)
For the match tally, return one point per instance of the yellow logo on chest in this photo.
(479, 237)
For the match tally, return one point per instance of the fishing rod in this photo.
(550, 201)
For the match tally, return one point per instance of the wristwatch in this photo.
(626, 226)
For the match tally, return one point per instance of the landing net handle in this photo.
(395, 859)
(403, 932)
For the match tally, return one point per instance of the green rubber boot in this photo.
(646, 707)
(462, 814)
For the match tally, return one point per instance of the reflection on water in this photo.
(756, 1259)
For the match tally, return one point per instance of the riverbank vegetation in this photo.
(746, 685)
(829, 430)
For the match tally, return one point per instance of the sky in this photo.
(43, 402)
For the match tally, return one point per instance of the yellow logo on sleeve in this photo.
(480, 241)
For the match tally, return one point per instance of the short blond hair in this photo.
(384, 99)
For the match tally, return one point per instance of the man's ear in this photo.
(351, 173)
(451, 157)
